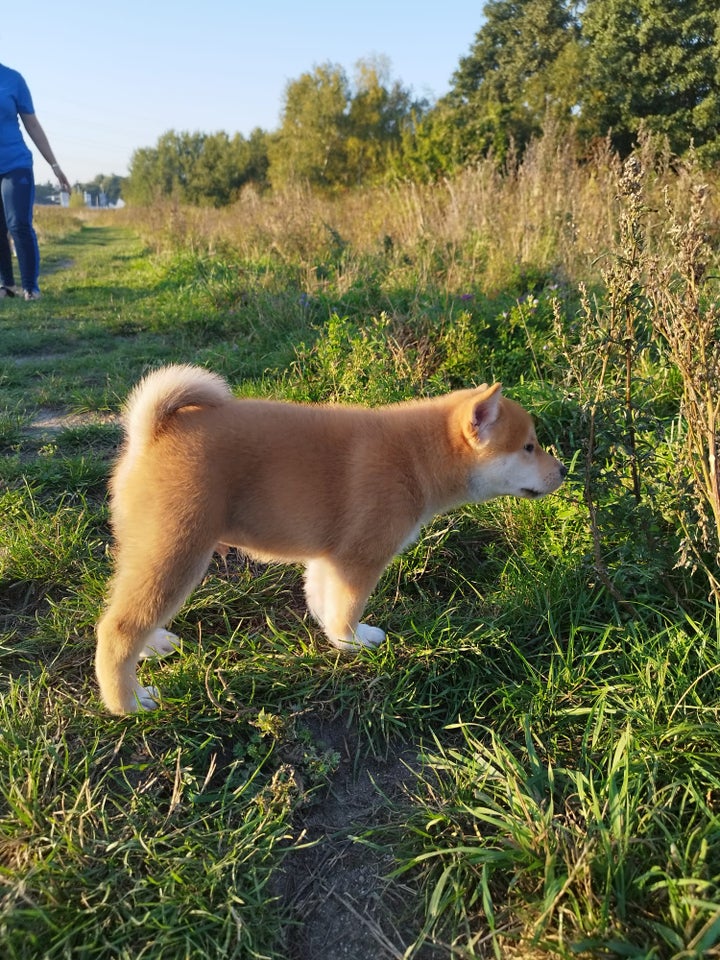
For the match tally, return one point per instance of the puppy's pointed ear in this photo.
(485, 411)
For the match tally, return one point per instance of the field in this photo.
(530, 766)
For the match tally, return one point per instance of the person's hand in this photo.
(62, 179)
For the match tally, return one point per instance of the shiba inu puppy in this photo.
(340, 489)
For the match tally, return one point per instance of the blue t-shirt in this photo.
(14, 99)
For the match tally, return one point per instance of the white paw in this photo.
(148, 698)
(369, 636)
(160, 643)
(364, 636)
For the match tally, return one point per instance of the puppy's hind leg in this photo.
(336, 596)
(160, 643)
(145, 594)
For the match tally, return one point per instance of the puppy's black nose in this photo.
(563, 470)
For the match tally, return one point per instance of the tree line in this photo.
(600, 68)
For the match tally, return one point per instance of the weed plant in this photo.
(543, 722)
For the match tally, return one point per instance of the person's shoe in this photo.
(7, 291)
(31, 294)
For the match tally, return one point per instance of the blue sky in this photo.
(107, 80)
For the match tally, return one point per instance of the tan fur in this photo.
(340, 489)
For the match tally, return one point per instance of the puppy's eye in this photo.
(529, 447)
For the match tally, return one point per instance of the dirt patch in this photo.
(338, 887)
(52, 266)
(24, 360)
(51, 422)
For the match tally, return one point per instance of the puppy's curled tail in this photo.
(165, 391)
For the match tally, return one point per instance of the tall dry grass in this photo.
(553, 211)
(685, 311)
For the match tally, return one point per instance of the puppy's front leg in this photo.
(336, 596)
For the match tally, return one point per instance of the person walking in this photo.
(17, 185)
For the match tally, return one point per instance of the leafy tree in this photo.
(197, 168)
(602, 66)
(432, 146)
(379, 114)
(177, 156)
(310, 144)
(166, 169)
(524, 63)
(142, 185)
(338, 133)
(224, 166)
(654, 63)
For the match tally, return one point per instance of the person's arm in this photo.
(39, 138)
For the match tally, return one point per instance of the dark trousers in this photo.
(17, 195)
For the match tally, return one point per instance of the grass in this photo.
(541, 727)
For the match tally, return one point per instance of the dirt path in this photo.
(337, 884)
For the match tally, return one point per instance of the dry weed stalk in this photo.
(601, 364)
(687, 319)
(626, 294)
(587, 369)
